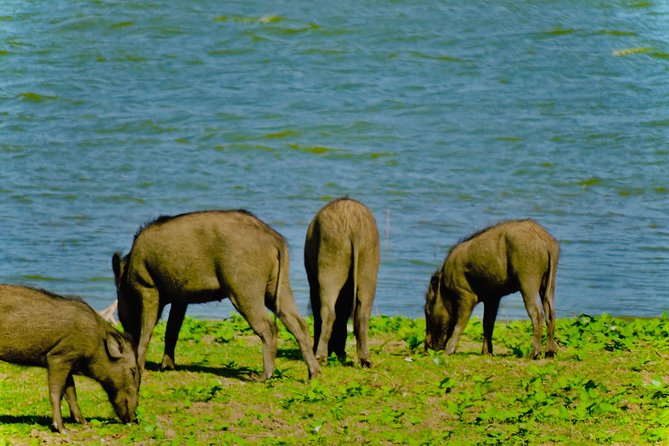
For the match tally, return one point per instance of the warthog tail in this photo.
(548, 295)
(281, 259)
(354, 261)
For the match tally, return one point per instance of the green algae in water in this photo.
(249, 20)
(123, 198)
(630, 51)
(318, 150)
(40, 278)
(657, 123)
(418, 262)
(379, 155)
(557, 31)
(510, 138)
(302, 29)
(282, 134)
(440, 58)
(616, 33)
(30, 96)
(630, 192)
(589, 182)
(124, 24)
(130, 58)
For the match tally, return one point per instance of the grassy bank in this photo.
(609, 385)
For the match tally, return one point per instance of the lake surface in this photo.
(442, 117)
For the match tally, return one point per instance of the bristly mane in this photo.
(54, 295)
(486, 229)
(343, 197)
(69, 298)
(165, 218)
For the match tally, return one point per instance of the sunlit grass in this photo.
(608, 385)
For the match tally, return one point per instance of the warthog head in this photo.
(439, 317)
(120, 374)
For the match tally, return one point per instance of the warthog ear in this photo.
(117, 265)
(435, 283)
(114, 342)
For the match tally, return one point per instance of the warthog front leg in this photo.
(57, 372)
(149, 314)
(71, 397)
(490, 308)
(174, 322)
(466, 302)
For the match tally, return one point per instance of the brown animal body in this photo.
(512, 256)
(68, 337)
(205, 256)
(341, 256)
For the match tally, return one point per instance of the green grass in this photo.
(608, 385)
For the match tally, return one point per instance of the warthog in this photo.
(341, 256)
(205, 256)
(512, 256)
(68, 337)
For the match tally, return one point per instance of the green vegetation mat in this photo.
(608, 385)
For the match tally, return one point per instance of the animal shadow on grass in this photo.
(28, 419)
(290, 353)
(229, 370)
(42, 420)
(500, 354)
(296, 355)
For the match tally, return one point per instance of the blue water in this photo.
(443, 117)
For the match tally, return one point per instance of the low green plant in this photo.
(609, 384)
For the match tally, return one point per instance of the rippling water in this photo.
(442, 117)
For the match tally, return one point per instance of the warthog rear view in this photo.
(341, 256)
(205, 256)
(509, 257)
(68, 337)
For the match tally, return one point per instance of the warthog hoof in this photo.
(167, 364)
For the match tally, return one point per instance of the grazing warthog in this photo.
(341, 256)
(68, 337)
(512, 256)
(205, 256)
